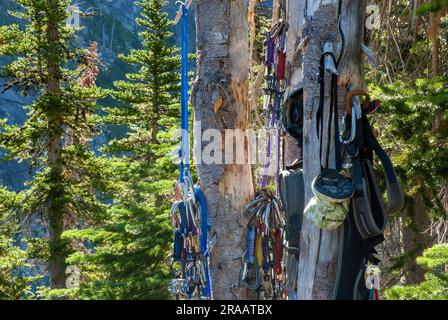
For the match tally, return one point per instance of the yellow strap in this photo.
(259, 249)
(195, 244)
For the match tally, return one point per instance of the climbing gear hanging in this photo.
(369, 208)
(364, 230)
(189, 216)
(293, 116)
(372, 278)
(292, 194)
(332, 190)
(263, 262)
(249, 276)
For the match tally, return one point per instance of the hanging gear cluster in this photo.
(191, 244)
(263, 262)
(347, 190)
(189, 263)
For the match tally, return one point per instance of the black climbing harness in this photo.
(369, 208)
(364, 229)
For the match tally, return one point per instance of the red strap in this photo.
(176, 222)
(177, 193)
(261, 228)
(278, 252)
(281, 65)
(377, 295)
(373, 106)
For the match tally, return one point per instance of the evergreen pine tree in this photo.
(68, 178)
(13, 286)
(128, 257)
(435, 286)
(432, 6)
(419, 147)
(418, 144)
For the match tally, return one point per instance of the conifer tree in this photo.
(418, 144)
(68, 178)
(13, 286)
(435, 286)
(432, 6)
(128, 256)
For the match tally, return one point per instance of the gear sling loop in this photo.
(189, 213)
(263, 261)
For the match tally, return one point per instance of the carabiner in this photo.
(266, 214)
(352, 129)
(189, 188)
(174, 209)
(356, 93)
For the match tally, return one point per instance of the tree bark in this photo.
(55, 205)
(253, 31)
(294, 67)
(415, 240)
(435, 42)
(220, 99)
(319, 249)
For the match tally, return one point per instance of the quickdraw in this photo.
(372, 277)
(263, 261)
(189, 216)
(275, 63)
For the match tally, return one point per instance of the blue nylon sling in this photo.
(184, 153)
(205, 229)
(184, 150)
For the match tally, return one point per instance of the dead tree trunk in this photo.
(294, 73)
(434, 30)
(220, 98)
(252, 32)
(319, 249)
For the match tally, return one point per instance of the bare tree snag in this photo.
(295, 41)
(294, 70)
(256, 74)
(275, 11)
(222, 74)
(253, 31)
(320, 249)
(352, 27)
(434, 31)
